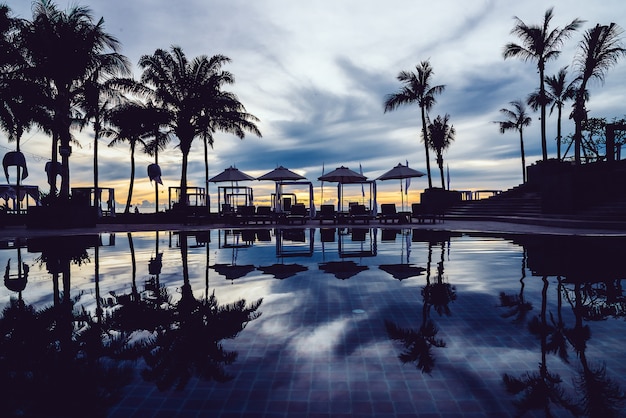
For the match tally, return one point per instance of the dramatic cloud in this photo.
(317, 73)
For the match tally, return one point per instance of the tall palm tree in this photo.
(599, 50)
(417, 89)
(441, 135)
(516, 120)
(128, 125)
(559, 92)
(95, 97)
(192, 92)
(65, 48)
(157, 119)
(540, 44)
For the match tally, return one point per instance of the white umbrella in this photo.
(401, 172)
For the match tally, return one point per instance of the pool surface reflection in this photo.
(313, 322)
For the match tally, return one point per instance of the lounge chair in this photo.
(359, 213)
(263, 214)
(245, 213)
(298, 214)
(388, 213)
(327, 213)
(423, 212)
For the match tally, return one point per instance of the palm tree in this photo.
(95, 97)
(559, 92)
(192, 93)
(156, 118)
(64, 50)
(540, 44)
(417, 89)
(441, 136)
(128, 121)
(517, 119)
(599, 50)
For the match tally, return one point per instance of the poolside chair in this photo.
(245, 213)
(358, 213)
(388, 213)
(327, 213)
(298, 214)
(264, 214)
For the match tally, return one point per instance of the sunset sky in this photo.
(316, 74)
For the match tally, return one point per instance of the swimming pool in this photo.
(308, 322)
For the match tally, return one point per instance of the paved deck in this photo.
(494, 225)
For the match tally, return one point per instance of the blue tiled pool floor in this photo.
(360, 342)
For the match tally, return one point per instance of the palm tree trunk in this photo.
(440, 164)
(558, 134)
(55, 159)
(521, 143)
(132, 177)
(183, 180)
(96, 135)
(206, 175)
(425, 134)
(156, 183)
(542, 95)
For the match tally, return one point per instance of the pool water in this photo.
(313, 322)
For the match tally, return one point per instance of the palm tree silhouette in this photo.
(599, 50)
(417, 89)
(190, 345)
(540, 389)
(440, 136)
(559, 92)
(96, 97)
(192, 93)
(156, 118)
(64, 49)
(130, 122)
(517, 119)
(540, 44)
(601, 396)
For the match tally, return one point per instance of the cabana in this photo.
(9, 193)
(87, 195)
(277, 198)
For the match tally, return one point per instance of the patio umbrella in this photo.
(402, 271)
(400, 172)
(231, 174)
(282, 271)
(342, 269)
(343, 175)
(281, 173)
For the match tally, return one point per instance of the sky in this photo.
(317, 73)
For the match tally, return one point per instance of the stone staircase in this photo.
(523, 204)
(520, 201)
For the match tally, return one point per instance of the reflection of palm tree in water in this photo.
(519, 306)
(540, 389)
(190, 344)
(58, 350)
(600, 395)
(418, 344)
(438, 294)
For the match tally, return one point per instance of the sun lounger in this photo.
(298, 214)
(263, 214)
(327, 213)
(422, 213)
(358, 213)
(388, 213)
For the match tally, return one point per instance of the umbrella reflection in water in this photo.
(342, 269)
(282, 271)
